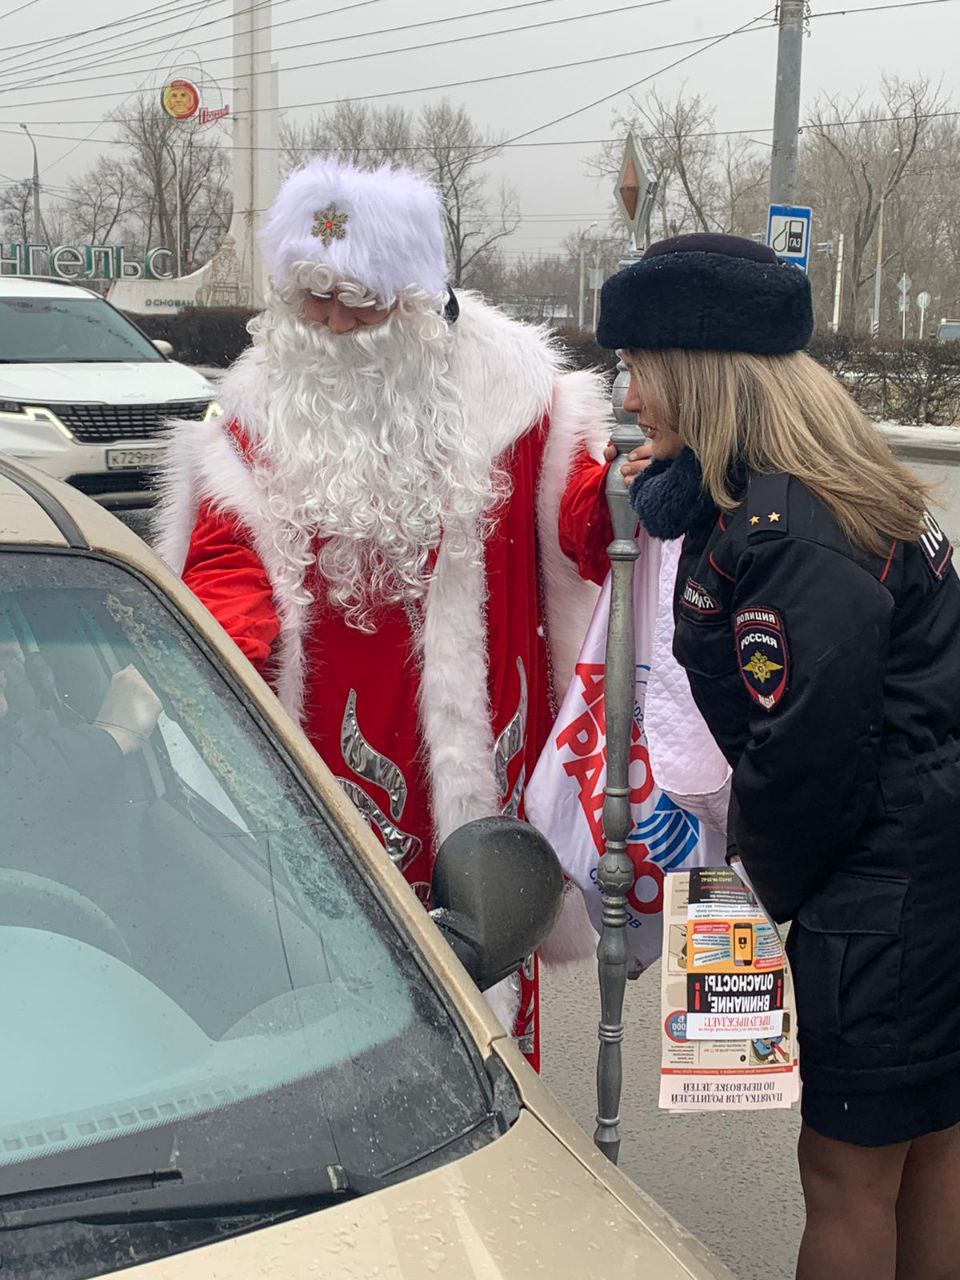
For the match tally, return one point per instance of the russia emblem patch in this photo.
(762, 655)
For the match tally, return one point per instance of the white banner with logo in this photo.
(679, 781)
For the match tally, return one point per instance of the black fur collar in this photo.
(669, 497)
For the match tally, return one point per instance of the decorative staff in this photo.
(615, 875)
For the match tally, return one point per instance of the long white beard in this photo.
(363, 449)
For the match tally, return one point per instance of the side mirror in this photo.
(497, 893)
(163, 346)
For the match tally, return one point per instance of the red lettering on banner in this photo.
(582, 736)
(591, 677)
(588, 773)
(644, 869)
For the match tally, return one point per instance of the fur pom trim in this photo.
(385, 228)
(505, 371)
(454, 702)
(204, 466)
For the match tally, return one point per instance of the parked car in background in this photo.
(948, 331)
(235, 1044)
(84, 394)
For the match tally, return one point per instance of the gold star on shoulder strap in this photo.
(754, 519)
(774, 517)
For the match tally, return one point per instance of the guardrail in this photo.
(934, 453)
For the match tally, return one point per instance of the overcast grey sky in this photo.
(842, 54)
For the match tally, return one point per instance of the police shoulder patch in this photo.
(935, 546)
(698, 599)
(762, 654)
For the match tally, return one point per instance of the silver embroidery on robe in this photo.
(401, 847)
(525, 1025)
(369, 764)
(508, 746)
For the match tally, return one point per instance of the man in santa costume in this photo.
(377, 518)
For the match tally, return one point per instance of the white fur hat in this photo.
(381, 229)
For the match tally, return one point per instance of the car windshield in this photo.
(196, 981)
(65, 330)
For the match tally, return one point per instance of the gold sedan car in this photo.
(234, 1043)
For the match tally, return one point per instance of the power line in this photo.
(384, 53)
(457, 84)
(65, 155)
(275, 26)
(714, 41)
(879, 8)
(557, 142)
(43, 41)
(19, 9)
(170, 10)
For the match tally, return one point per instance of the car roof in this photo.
(42, 512)
(31, 287)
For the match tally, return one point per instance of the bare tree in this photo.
(162, 155)
(98, 201)
(855, 157)
(705, 182)
(353, 131)
(444, 144)
(16, 211)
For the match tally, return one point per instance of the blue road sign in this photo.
(788, 233)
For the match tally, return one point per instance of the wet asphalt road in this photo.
(730, 1179)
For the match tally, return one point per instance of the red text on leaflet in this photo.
(585, 738)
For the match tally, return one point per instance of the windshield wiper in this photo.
(167, 1195)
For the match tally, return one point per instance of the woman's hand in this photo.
(130, 710)
(637, 461)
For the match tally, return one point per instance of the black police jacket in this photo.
(831, 681)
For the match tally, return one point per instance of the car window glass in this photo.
(181, 930)
(61, 330)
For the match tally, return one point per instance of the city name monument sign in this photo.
(83, 262)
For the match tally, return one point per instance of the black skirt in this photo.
(882, 1119)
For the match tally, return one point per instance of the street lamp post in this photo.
(878, 273)
(36, 186)
(176, 183)
(615, 874)
(581, 301)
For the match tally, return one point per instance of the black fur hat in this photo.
(707, 293)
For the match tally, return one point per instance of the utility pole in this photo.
(36, 186)
(786, 112)
(838, 286)
(254, 139)
(581, 299)
(878, 273)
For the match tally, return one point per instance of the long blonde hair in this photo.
(784, 414)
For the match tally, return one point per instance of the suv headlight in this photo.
(213, 411)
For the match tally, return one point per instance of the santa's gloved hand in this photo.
(130, 710)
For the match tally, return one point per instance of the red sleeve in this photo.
(585, 528)
(226, 574)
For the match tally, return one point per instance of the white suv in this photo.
(84, 395)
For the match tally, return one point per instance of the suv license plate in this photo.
(133, 459)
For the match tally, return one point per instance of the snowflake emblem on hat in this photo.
(330, 224)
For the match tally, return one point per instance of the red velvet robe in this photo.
(361, 699)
